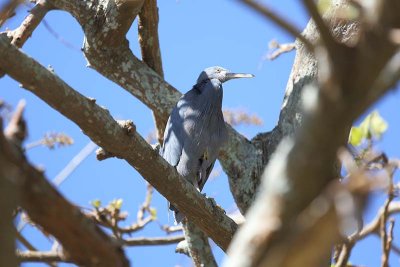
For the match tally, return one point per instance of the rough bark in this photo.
(198, 245)
(9, 204)
(242, 160)
(120, 140)
(83, 241)
(150, 48)
(318, 111)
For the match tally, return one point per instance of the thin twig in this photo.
(279, 49)
(29, 246)
(41, 256)
(385, 238)
(284, 24)
(153, 241)
(77, 160)
(171, 228)
(388, 245)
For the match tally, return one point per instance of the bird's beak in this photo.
(230, 76)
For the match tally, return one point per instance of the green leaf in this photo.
(96, 203)
(356, 136)
(153, 213)
(373, 126)
(378, 125)
(116, 203)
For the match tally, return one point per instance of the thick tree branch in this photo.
(291, 180)
(150, 48)
(198, 245)
(118, 64)
(8, 205)
(47, 208)
(148, 36)
(36, 15)
(97, 123)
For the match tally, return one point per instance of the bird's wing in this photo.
(173, 137)
(202, 182)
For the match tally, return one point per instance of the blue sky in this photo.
(193, 36)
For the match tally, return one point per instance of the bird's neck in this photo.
(212, 90)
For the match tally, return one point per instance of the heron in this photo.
(196, 129)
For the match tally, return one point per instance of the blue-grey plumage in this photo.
(196, 129)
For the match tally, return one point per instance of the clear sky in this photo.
(193, 36)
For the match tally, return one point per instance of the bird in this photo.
(195, 130)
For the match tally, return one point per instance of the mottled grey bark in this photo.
(119, 139)
(241, 159)
(198, 245)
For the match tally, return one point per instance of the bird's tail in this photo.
(177, 215)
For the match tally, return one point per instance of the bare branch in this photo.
(284, 24)
(47, 208)
(41, 256)
(85, 152)
(240, 158)
(148, 36)
(150, 48)
(8, 204)
(240, 117)
(16, 130)
(98, 124)
(154, 241)
(29, 246)
(388, 245)
(23, 32)
(50, 140)
(198, 245)
(171, 229)
(279, 49)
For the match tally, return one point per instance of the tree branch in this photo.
(198, 245)
(41, 256)
(28, 245)
(291, 181)
(98, 124)
(150, 48)
(24, 31)
(57, 216)
(153, 241)
(8, 205)
(120, 66)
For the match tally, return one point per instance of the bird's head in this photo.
(223, 75)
